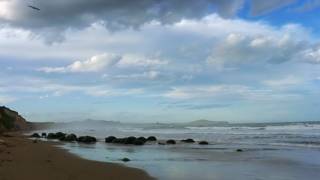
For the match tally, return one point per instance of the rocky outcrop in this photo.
(11, 121)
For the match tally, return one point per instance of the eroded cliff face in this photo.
(11, 120)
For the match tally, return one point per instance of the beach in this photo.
(23, 158)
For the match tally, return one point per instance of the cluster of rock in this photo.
(66, 137)
(131, 140)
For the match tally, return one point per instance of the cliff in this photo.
(11, 121)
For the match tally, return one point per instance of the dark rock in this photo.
(60, 135)
(52, 136)
(161, 143)
(203, 143)
(130, 140)
(110, 139)
(138, 142)
(142, 139)
(171, 141)
(125, 159)
(188, 141)
(118, 140)
(87, 139)
(151, 138)
(70, 138)
(44, 135)
(35, 135)
(239, 150)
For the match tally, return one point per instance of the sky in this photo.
(161, 60)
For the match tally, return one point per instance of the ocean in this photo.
(270, 152)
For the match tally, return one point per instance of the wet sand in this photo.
(21, 158)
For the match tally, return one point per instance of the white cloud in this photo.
(311, 55)
(94, 64)
(191, 92)
(247, 49)
(284, 82)
(134, 60)
(151, 75)
(6, 99)
(46, 88)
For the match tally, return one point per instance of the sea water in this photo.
(287, 152)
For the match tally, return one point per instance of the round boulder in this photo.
(125, 159)
(203, 143)
(138, 142)
(109, 139)
(87, 139)
(171, 141)
(70, 137)
(35, 135)
(52, 136)
(151, 138)
(44, 135)
(130, 140)
(188, 141)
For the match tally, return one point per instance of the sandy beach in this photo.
(21, 158)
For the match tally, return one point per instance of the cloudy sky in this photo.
(161, 60)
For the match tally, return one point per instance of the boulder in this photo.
(118, 140)
(203, 143)
(70, 138)
(142, 139)
(51, 136)
(44, 135)
(171, 141)
(130, 140)
(35, 135)
(239, 150)
(151, 138)
(87, 139)
(138, 142)
(125, 159)
(109, 139)
(188, 141)
(60, 135)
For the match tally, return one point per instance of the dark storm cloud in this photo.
(58, 15)
(55, 17)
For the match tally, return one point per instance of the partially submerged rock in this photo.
(151, 138)
(35, 135)
(51, 136)
(87, 139)
(110, 139)
(70, 138)
(188, 141)
(125, 159)
(171, 141)
(203, 143)
(44, 135)
(139, 142)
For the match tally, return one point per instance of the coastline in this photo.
(21, 158)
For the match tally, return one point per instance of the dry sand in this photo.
(22, 159)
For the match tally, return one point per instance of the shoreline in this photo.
(22, 158)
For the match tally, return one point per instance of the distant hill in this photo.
(11, 121)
